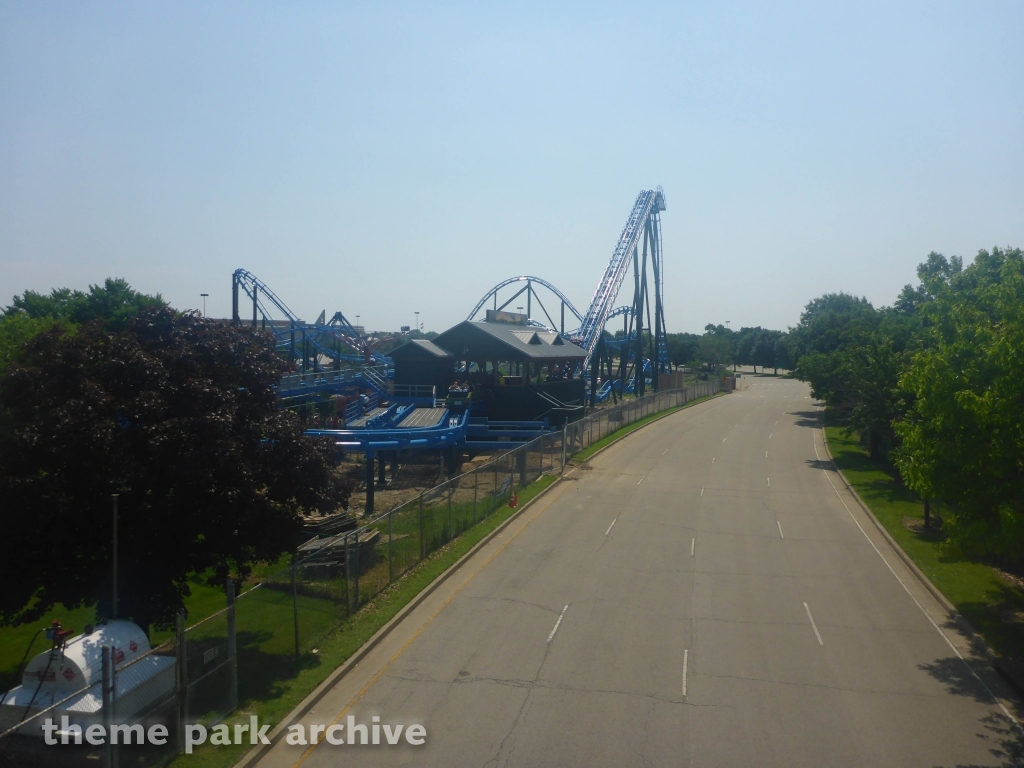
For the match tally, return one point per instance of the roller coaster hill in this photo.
(494, 381)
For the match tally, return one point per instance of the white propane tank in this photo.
(71, 677)
(81, 663)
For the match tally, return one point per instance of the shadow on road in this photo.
(1005, 743)
(807, 418)
(954, 674)
(1005, 740)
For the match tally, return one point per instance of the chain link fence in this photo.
(273, 629)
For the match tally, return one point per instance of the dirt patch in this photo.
(414, 476)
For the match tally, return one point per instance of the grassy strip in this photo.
(980, 593)
(351, 635)
(586, 453)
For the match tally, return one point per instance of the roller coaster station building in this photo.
(508, 369)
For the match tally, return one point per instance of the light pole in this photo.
(417, 320)
(204, 295)
(357, 323)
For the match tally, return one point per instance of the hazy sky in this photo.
(381, 158)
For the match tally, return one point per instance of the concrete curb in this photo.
(258, 753)
(965, 626)
(925, 581)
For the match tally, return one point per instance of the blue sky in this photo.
(382, 158)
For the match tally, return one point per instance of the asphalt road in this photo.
(703, 595)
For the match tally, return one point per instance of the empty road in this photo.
(701, 595)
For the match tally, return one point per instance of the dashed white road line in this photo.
(686, 658)
(712, 459)
(780, 529)
(562, 614)
(642, 479)
(693, 543)
(766, 454)
(814, 626)
(702, 493)
(931, 621)
(770, 435)
(610, 527)
(769, 482)
(724, 439)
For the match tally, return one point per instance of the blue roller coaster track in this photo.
(336, 339)
(640, 239)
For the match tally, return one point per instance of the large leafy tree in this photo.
(179, 417)
(115, 303)
(682, 347)
(853, 355)
(963, 438)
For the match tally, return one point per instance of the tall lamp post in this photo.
(204, 295)
(417, 320)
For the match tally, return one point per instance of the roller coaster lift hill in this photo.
(336, 359)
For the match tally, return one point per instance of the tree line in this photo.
(934, 386)
(719, 346)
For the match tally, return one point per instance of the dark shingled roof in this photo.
(411, 348)
(502, 341)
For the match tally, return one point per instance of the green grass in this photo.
(275, 682)
(618, 434)
(978, 591)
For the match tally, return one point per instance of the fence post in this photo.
(348, 570)
(295, 603)
(107, 699)
(565, 429)
(451, 525)
(182, 682)
(476, 485)
(423, 533)
(391, 551)
(232, 658)
(355, 570)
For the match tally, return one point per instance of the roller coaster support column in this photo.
(595, 369)
(369, 483)
(638, 304)
(659, 309)
(255, 293)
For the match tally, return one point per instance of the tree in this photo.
(115, 302)
(744, 343)
(176, 414)
(783, 354)
(15, 331)
(763, 350)
(963, 437)
(715, 348)
(682, 347)
(853, 356)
